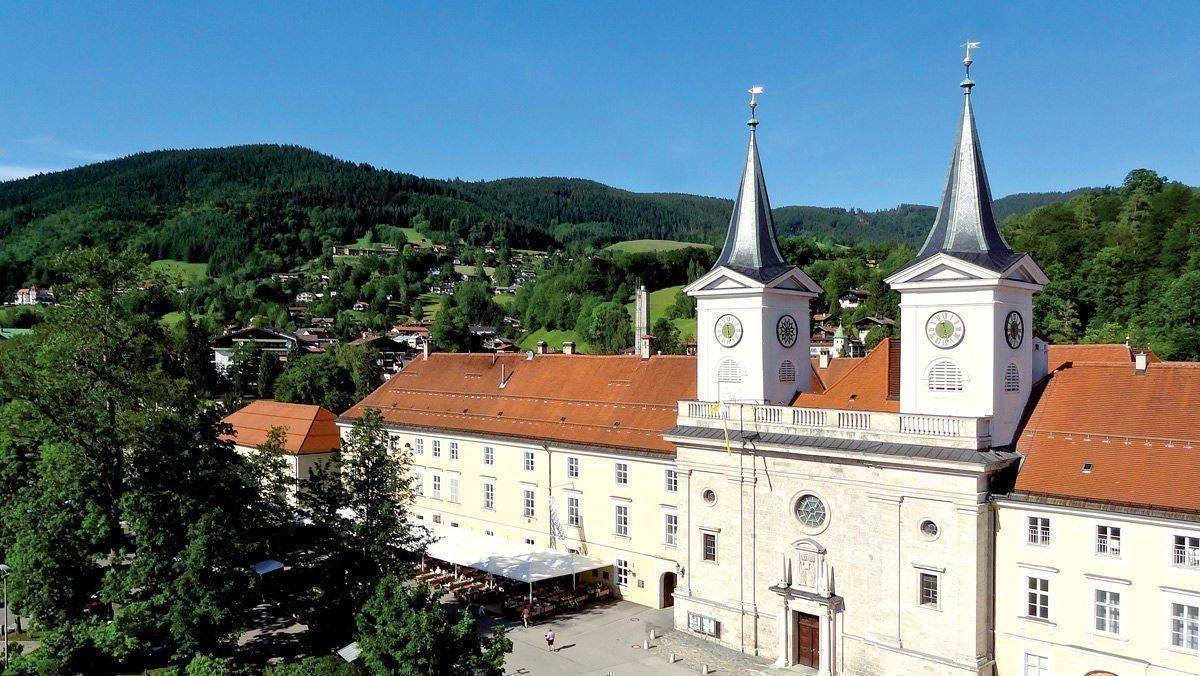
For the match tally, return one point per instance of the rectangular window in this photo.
(418, 482)
(454, 450)
(1037, 665)
(1108, 540)
(529, 541)
(489, 495)
(437, 486)
(572, 467)
(671, 529)
(527, 503)
(929, 590)
(420, 441)
(1185, 626)
(574, 518)
(489, 455)
(437, 448)
(1038, 530)
(672, 481)
(622, 474)
(393, 443)
(710, 547)
(1108, 611)
(453, 483)
(621, 520)
(437, 518)
(703, 624)
(1037, 598)
(528, 458)
(1186, 551)
(622, 573)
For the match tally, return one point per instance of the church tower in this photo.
(752, 318)
(966, 302)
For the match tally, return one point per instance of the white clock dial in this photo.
(945, 329)
(728, 330)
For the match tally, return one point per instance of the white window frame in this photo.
(528, 502)
(936, 576)
(1042, 598)
(453, 486)
(1108, 540)
(1185, 554)
(621, 519)
(704, 536)
(671, 528)
(572, 467)
(487, 498)
(1106, 608)
(574, 510)
(1039, 531)
(436, 490)
(622, 572)
(671, 480)
(437, 448)
(1044, 668)
(527, 461)
(489, 455)
(621, 473)
(1188, 627)
(419, 445)
(454, 450)
(418, 481)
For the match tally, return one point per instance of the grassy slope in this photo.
(554, 339)
(648, 245)
(182, 272)
(662, 299)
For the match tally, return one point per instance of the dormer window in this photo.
(945, 376)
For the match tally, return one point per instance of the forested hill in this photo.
(273, 207)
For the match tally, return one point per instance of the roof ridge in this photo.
(528, 397)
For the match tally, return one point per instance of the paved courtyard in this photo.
(608, 639)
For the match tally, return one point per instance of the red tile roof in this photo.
(308, 429)
(823, 378)
(1107, 352)
(616, 401)
(1139, 432)
(872, 383)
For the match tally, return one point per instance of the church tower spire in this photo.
(965, 227)
(750, 246)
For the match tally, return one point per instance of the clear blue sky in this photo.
(860, 107)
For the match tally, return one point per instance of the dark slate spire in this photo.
(750, 247)
(964, 226)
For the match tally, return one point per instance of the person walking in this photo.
(525, 616)
(550, 640)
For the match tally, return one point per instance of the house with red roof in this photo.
(310, 432)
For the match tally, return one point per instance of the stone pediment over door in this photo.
(810, 568)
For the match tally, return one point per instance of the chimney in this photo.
(641, 322)
(1140, 362)
(824, 359)
(568, 347)
(425, 348)
(541, 347)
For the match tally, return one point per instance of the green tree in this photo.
(405, 630)
(316, 379)
(666, 337)
(611, 329)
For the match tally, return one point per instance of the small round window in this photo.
(811, 511)
(929, 529)
(710, 496)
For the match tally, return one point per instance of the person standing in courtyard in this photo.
(525, 616)
(550, 640)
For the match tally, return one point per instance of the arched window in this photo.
(787, 371)
(729, 371)
(945, 376)
(1012, 378)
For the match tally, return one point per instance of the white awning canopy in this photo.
(513, 560)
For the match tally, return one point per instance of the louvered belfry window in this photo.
(945, 376)
(1012, 378)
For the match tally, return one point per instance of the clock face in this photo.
(785, 330)
(945, 329)
(729, 330)
(1014, 329)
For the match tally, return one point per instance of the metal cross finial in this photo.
(754, 92)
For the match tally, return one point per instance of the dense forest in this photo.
(250, 210)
